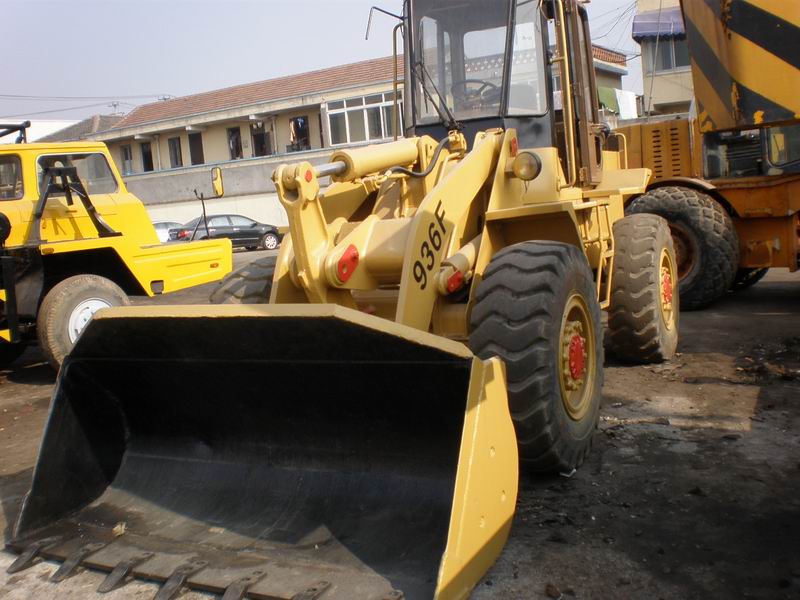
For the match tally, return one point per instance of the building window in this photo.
(235, 143)
(196, 148)
(673, 54)
(299, 135)
(147, 157)
(175, 155)
(362, 119)
(126, 154)
(262, 140)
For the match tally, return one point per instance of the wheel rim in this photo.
(685, 250)
(666, 288)
(577, 368)
(270, 242)
(82, 314)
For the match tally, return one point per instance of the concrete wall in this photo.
(670, 88)
(264, 208)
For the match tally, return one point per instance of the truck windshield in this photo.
(459, 62)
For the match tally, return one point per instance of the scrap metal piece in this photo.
(313, 592)
(238, 589)
(30, 553)
(178, 579)
(71, 563)
(122, 570)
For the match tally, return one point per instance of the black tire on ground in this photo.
(67, 308)
(644, 314)
(250, 284)
(11, 352)
(706, 243)
(747, 277)
(270, 241)
(525, 313)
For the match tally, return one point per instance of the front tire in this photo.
(67, 309)
(537, 309)
(706, 242)
(645, 308)
(250, 284)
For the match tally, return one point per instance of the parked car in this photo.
(162, 229)
(243, 232)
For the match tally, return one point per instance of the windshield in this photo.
(459, 59)
(93, 171)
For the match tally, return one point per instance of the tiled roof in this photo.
(82, 129)
(360, 73)
(314, 82)
(609, 56)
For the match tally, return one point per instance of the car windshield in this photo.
(459, 62)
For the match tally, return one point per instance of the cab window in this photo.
(93, 171)
(10, 178)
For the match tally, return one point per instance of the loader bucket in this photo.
(280, 452)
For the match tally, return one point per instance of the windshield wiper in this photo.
(446, 116)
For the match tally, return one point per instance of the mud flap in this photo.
(287, 451)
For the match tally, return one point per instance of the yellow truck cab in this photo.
(75, 240)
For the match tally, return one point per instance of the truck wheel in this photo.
(644, 312)
(67, 309)
(747, 277)
(250, 284)
(537, 309)
(269, 241)
(706, 243)
(11, 352)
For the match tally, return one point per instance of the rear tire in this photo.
(746, 278)
(644, 313)
(706, 243)
(269, 241)
(250, 284)
(537, 309)
(67, 309)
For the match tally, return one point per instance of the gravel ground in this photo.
(692, 490)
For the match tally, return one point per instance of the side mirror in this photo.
(216, 182)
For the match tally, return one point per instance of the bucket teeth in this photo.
(238, 589)
(313, 592)
(121, 570)
(72, 562)
(30, 553)
(177, 580)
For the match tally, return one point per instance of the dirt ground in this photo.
(692, 490)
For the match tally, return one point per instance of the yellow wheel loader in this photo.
(433, 321)
(73, 241)
(728, 182)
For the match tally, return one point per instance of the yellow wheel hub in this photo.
(577, 366)
(666, 285)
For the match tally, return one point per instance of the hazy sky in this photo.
(90, 52)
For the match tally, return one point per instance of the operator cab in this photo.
(475, 65)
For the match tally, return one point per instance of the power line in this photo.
(55, 110)
(68, 98)
(622, 18)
